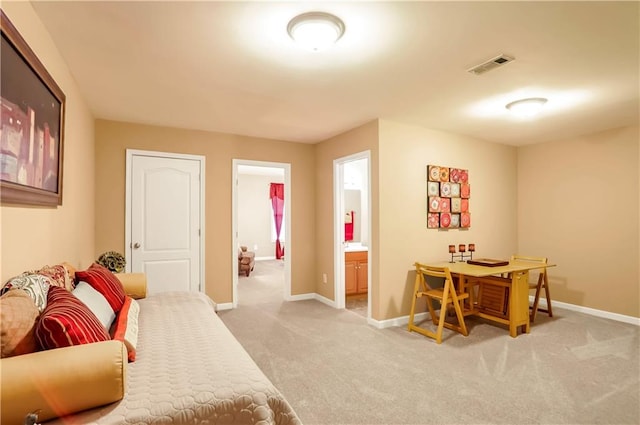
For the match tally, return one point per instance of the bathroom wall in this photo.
(356, 198)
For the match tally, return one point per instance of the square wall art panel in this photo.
(448, 194)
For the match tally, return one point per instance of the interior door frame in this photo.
(130, 153)
(289, 246)
(338, 230)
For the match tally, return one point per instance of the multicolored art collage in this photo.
(448, 193)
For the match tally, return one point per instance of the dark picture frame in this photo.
(31, 125)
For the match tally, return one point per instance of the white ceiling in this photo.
(231, 67)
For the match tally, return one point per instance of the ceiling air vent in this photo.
(490, 64)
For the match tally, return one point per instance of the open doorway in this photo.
(352, 233)
(260, 234)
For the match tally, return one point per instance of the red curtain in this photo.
(277, 203)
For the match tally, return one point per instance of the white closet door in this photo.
(165, 222)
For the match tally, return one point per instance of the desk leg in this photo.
(463, 286)
(519, 303)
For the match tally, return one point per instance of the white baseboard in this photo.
(404, 320)
(587, 310)
(324, 300)
(302, 297)
(224, 306)
(312, 296)
(397, 321)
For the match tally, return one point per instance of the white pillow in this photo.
(96, 302)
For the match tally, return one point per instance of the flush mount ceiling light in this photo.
(527, 107)
(316, 30)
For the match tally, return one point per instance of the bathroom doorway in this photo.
(352, 233)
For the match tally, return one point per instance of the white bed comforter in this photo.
(190, 369)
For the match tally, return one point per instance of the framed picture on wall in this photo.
(448, 193)
(31, 125)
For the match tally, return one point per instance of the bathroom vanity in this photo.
(356, 270)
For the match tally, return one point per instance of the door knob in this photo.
(136, 245)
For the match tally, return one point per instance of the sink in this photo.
(355, 247)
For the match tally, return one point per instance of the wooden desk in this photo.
(518, 284)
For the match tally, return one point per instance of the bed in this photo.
(189, 369)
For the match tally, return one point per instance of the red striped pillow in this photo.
(105, 282)
(67, 321)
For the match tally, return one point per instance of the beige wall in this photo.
(578, 204)
(360, 139)
(34, 237)
(400, 155)
(112, 140)
(405, 152)
(577, 200)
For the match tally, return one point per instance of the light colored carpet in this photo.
(265, 282)
(335, 369)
